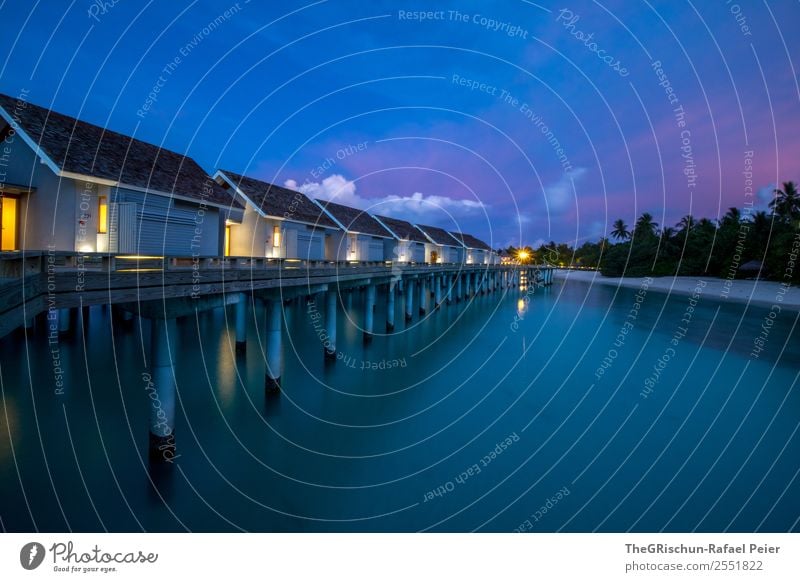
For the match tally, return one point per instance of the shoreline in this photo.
(758, 293)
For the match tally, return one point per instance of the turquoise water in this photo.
(492, 415)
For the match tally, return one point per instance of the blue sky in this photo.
(365, 103)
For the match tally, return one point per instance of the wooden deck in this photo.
(33, 282)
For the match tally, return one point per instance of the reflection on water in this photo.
(360, 444)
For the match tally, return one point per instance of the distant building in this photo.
(361, 238)
(504, 258)
(477, 251)
(84, 188)
(277, 222)
(442, 247)
(409, 242)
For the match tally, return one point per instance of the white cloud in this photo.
(765, 195)
(561, 194)
(337, 188)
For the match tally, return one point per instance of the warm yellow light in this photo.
(523, 255)
(276, 236)
(8, 209)
(227, 240)
(102, 214)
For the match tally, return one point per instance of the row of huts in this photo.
(68, 185)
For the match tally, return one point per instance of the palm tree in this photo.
(786, 204)
(760, 228)
(620, 231)
(705, 224)
(686, 223)
(645, 224)
(667, 233)
(733, 217)
(761, 222)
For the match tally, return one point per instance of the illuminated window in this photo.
(227, 240)
(102, 214)
(8, 209)
(276, 236)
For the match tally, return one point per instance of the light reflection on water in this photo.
(357, 445)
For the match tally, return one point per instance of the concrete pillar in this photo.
(63, 321)
(349, 300)
(437, 285)
(468, 278)
(241, 324)
(458, 287)
(422, 295)
(161, 390)
(273, 339)
(331, 303)
(390, 307)
(409, 296)
(369, 312)
(448, 296)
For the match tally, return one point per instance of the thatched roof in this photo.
(752, 266)
(277, 201)
(89, 150)
(439, 236)
(470, 241)
(354, 220)
(403, 229)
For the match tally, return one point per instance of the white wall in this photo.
(47, 215)
(446, 253)
(166, 226)
(253, 237)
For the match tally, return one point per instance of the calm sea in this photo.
(567, 408)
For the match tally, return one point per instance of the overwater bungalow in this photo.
(409, 242)
(69, 185)
(361, 238)
(277, 222)
(441, 246)
(476, 251)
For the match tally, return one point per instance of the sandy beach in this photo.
(760, 293)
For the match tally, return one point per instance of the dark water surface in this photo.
(503, 415)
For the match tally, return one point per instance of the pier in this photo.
(53, 285)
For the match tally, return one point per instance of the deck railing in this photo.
(17, 264)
